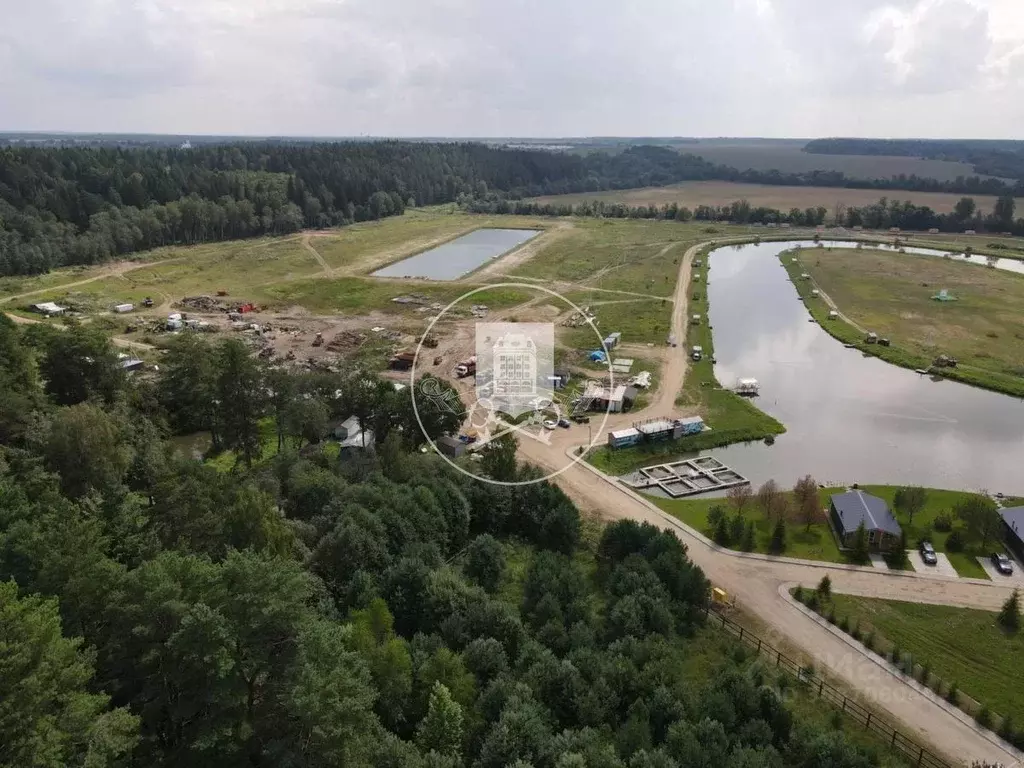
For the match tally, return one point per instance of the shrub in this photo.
(926, 673)
(812, 601)
(1009, 616)
(1006, 729)
(825, 587)
(953, 694)
(955, 542)
(984, 716)
(831, 615)
(855, 633)
(896, 654)
(836, 720)
(943, 523)
(798, 594)
(844, 624)
(869, 641)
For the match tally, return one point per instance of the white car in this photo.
(550, 424)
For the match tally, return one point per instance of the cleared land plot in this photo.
(640, 322)
(815, 543)
(791, 159)
(694, 193)
(962, 645)
(891, 294)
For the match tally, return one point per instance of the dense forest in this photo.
(884, 214)
(314, 608)
(76, 205)
(1004, 159)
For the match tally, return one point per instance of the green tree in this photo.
(910, 500)
(777, 544)
(78, 364)
(305, 419)
(824, 589)
(48, 716)
(980, 516)
(749, 543)
(860, 551)
(20, 391)
(485, 561)
(499, 458)
(87, 447)
(965, 208)
(805, 494)
(241, 400)
(187, 385)
(1009, 614)
(441, 730)
(1003, 211)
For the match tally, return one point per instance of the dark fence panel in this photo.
(913, 752)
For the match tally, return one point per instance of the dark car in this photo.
(1002, 563)
(564, 423)
(581, 419)
(928, 553)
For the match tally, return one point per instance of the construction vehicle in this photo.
(944, 361)
(402, 361)
(466, 368)
(147, 302)
(319, 340)
(430, 342)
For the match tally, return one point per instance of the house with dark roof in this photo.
(848, 510)
(1013, 522)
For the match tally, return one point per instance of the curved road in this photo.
(761, 583)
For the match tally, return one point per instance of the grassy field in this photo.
(640, 322)
(961, 645)
(694, 193)
(814, 543)
(789, 158)
(890, 294)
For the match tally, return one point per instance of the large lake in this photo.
(460, 256)
(850, 418)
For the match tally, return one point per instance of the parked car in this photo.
(564, 423)
(550, 423)
(1002, 563)
(928, 553)
(581, 419)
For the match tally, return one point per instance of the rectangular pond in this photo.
(460, 256)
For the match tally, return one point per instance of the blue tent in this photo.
(597, 356)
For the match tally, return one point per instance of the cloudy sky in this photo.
(516, 67)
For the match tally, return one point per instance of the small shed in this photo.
(49, 309)
(848, 510)
(622, 438)
(451, 447)
(123, 308)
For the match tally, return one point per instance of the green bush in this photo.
(798, 594)
(926, 673)
(855, 633)
(825, 587)
(869, 641)
(953, 694)
(831, 615)
(1006, 729)
(896, 654)
(812, 601)
(943, 523)
(984, 716)
(955, 542)
(844, 624)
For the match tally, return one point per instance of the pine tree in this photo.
(778, 541)
(861, 551)
(1009, 616)
(441, 729)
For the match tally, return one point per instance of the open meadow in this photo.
(718, 193)
(891, 294)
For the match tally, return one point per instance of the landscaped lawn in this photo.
(937, 502)
(816, 543)
(962, 645)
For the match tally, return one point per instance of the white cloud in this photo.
(516, 67)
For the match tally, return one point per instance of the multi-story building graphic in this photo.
(515, 366)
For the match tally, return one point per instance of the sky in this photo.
(542, 68)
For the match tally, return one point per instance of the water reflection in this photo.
(850, 418)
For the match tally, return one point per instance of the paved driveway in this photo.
(941, 568)
(878, 561)
(1016, 580)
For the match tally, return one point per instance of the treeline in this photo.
(73, 205)
(990, 157)
(883, 214)
(363, 609)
